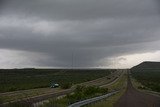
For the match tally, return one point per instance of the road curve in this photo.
(134, 98)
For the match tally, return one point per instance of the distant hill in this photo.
(147, 65)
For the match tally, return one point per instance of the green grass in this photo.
(22, 79)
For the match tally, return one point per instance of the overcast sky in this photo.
(87, 33)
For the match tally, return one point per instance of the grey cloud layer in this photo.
(82, 9)
(90, 30)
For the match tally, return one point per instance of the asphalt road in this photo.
(134, 98)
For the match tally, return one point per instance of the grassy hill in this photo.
(148, 74)
(148, 65)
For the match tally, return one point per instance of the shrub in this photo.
(84, 92)
(66, 85)
(12, 88)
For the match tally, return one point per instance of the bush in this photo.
(84, 92)
(66, 85)
(12, 88)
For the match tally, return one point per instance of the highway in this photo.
(98, 82)
(135, 98)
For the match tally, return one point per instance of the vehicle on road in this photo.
(54, 85)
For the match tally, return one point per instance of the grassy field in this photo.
(22, 79)
(147, 79)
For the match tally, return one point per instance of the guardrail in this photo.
(91, 100)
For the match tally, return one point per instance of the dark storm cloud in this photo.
(83, 31)
(2, 4)
(158, 5)
(81, 9)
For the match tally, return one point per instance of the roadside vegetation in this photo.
(109, 102)
(84, 92)
(23, 79)
(147, 79)
(80, 93)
